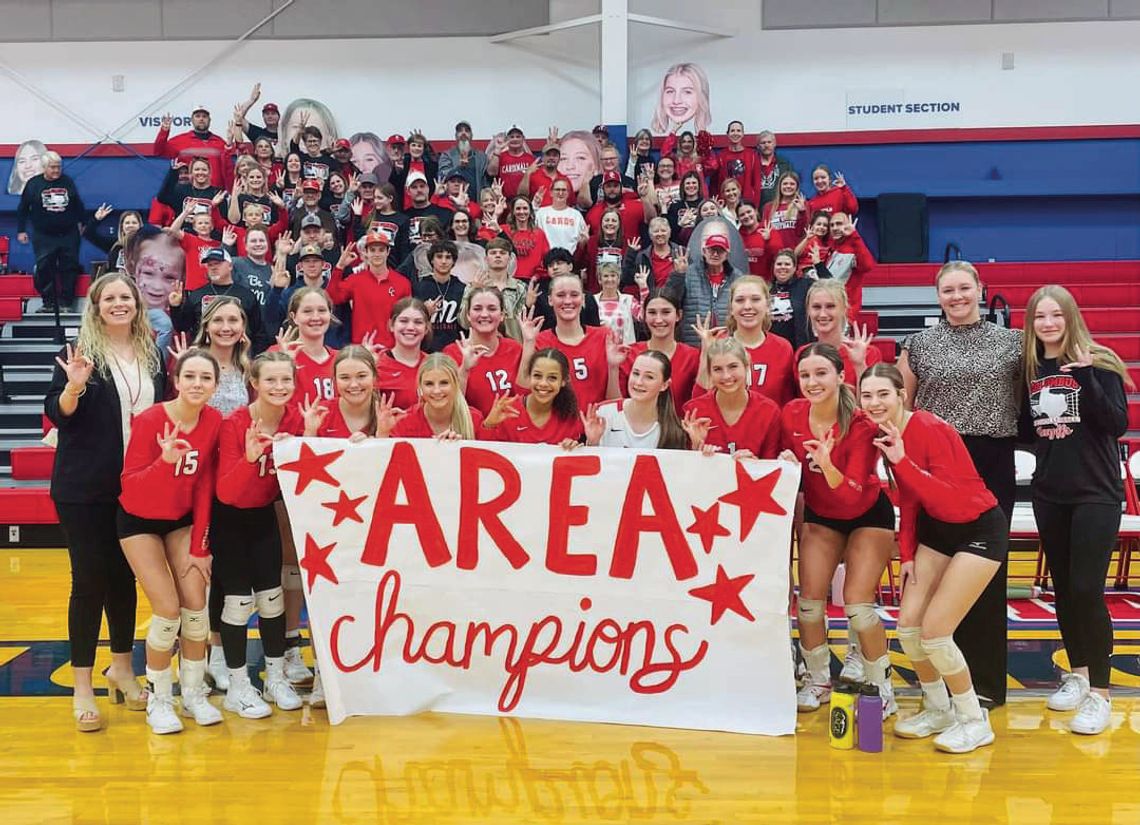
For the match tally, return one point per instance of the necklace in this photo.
(133, 393)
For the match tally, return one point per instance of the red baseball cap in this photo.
(270, 107)
(718, 241)
(375, 236)
(396, 138)
(612, 176)
(311, 183)
(342, 144)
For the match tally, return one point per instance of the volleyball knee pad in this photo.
(236, 610)
(291, 577)
(910, 639)
(162, 633)
(810, 611)
(270, 603)
(861, 616)
(195, 625)
(946, 656)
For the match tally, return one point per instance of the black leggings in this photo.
(247, 560)
(101, 581)
(1078, 540)
(982, 635)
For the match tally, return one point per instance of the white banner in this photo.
(646, 588)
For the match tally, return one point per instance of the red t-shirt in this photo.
(756, 248)
(540, 180)
(511, 171)
(785, 233)
(772, 369)
(686, 362)
(854, 455)
(531, 246)
(245, 485)
(372, 300)
(757, 429)
(589, 370)
(153, 489)
(492, 374)
(194, 247)
(415, 425)
(632, 213)
(396, 377)
(523, 430)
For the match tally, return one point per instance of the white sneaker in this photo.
(966, 735)
(245, 700)
(160, 715)
(887, 694)
(1093, 715)
(196, 704)
(317, 695)
(927, 722)
(1072, 692)
(812, 696)
(295, 670)
(852, 666)
(217, 672)
(282, 694)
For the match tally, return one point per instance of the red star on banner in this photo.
(724, 594)
(706, 524)
(316, 561)
(312, 467)
(753, 497)
(344, 508)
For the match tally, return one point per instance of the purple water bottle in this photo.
(869, 719)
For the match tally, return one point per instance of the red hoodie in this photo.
(188, 146)
(840, 262)
(835, 199)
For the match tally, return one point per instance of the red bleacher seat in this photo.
(870, 320)
(5, 244)
(888, 348)
(32, 463)
(26, 505)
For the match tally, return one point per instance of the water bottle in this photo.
(841, 730)
(869, 719)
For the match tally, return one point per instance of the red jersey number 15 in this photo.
(187, 465)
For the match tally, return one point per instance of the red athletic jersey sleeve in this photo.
(686, 362)
(242, 483)
(589, 370)
(492, 374)
(854, 456)
(937, 475)
(772, 369)
(415, 425)
(398, 379)
(523, 430)
(757, 429)
(153, 489)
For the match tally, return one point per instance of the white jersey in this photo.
(562, 226)
(619, 433)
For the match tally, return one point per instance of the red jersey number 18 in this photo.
(324, 388)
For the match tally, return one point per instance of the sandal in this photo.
(87, 718)
(127, 691)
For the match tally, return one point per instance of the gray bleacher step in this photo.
(7, 444)
(894, 296)
(18, 353)
(27, 380)
(26, 415)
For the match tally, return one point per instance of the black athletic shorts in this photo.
(880, 514)
(129, 525)
(986, 536)
(246, 546)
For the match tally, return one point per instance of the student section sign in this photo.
(646, 588)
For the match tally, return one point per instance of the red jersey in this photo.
(786, 233)
(523, 430)
(757, 429)
(756, 248)
(835, 199)
(686, 362)
(240, 483)
(511, 171)
(314, 379)
(539, 179)
(531, 246)
(373, 297)
(850, 377)
(589, 370)
(773, 371)
(415, 425)
(492, 374)
(854, 455)
(153, 489)
(334, 425)
(194, 247)
(396, 377)
(632, 213)
(936, 475)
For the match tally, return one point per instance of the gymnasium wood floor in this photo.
(454, 769)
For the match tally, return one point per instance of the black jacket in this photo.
(89, 455)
